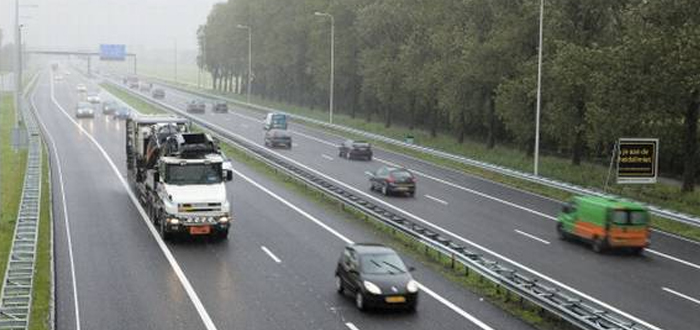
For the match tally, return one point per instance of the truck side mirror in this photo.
(229, 175)
(156, 178)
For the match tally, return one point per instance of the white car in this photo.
(58, 77)
(81, 88)
(93, 98)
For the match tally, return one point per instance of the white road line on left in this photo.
(272, 255)
(532, 236)
(697, 301)
(436, 199)
(326, 157)
(194, 298)
(69, 241)
(351, 326)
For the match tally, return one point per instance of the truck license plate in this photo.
(396, 299)
(200, 230)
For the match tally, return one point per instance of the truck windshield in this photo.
(629, 217)
(193, 174)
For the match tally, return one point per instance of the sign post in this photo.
(637, 161)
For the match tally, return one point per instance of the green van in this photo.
(605, 223)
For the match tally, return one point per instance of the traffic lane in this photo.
(304, 266)
(452, 179)
(121, 277)
(493, 217)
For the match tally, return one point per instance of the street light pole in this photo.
(330, 97)
(250, 58)
(18, 60)
(539, 93)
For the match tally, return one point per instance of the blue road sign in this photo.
(112, 52)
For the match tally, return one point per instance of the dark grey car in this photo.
(355, 149)
(391, 180)
(376, 276)
(278, 138)
(196, 106)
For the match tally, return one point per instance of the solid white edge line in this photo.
(436, 199)
(203, 314)
(661, 254)
(532, 236)
(437, 297)
(432, 225)
(69, 241)
(326, 157)
(697, 301)
(269, 253)
(351, 326)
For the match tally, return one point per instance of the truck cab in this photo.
(178, 176)
(605, 223)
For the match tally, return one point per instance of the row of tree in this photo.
(623, 68)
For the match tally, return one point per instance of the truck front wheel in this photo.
(221, 234)
(164, 233)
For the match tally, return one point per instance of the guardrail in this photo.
(552, 183)
(16, 295)
(559, 301)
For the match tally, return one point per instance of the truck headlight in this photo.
(412, 286)
(372, 288)
(223, 220)
(173, 221)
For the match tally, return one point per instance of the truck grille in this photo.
(199, 207)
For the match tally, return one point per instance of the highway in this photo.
(274, 272)
(659, 288)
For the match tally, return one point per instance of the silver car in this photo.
(84, 110)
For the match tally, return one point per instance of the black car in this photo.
(391, 180)
(278, 137)
(158, 93)
(220, 106)
(375, 275)
(355, 149)
(196, 106)
(109, 106)
(121, 112)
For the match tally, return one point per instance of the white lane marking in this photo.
(687, 240)
(531, 236)
(351, 326)
(203, 314)
(697, 301)
(59, 168)
(436, 199)
(272, 255)
(687, 263)
(326, 157)
(342, 237)
(434, 226)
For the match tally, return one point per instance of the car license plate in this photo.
(197, 230)
(396, 299)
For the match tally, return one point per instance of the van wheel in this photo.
(560, 232)
(637, 251)
(599, 245)
(339, 284)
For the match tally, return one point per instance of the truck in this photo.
(178, 176)
(606, 223)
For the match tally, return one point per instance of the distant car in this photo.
(58, 77)
(109, 106)
(84, 109)
(278, 138)
(67, 73)
(220, 106)
(93, 98)
(377, 277)
(391, 180)
(145, 87)
(158, 93)
(355, 149)
(197, 106)
(81, 88)
(121, 112)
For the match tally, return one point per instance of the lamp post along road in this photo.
(250, 59)
(330, 97)
(539, 93)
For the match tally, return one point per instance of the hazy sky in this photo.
(84, 24)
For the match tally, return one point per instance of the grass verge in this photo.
(13, 164)
(144, 107)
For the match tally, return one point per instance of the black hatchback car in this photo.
(376, 276)
(355, 149)
(389, 180)
(220, 106)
